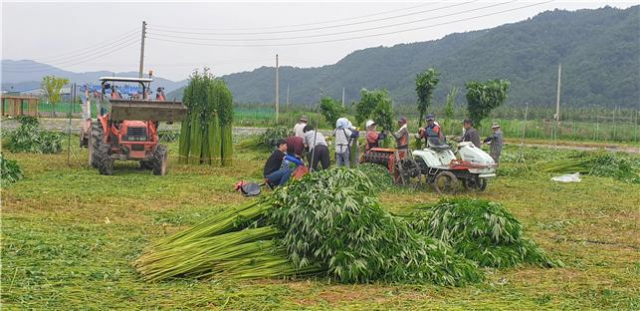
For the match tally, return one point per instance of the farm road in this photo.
(62, 125)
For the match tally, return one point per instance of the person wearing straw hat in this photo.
(495, 141)
(298, 129)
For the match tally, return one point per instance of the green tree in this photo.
(426, 83)
(449, 108)
(484, 97)
(52, 86)
(331, 109)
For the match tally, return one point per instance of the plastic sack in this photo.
(567, 178)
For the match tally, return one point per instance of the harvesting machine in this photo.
(127, 129)
(437, 165)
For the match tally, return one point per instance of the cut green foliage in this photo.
(379, 176)
(480, 230)
(332, 218)
(10, 171)
(619, 166)
(484, 97)
(265, 141)
(375, 104)
(426, 83)
(206, 136)
(327, 223)
(29, 138)
(331, 109)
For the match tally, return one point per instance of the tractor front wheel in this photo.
(160, 160)
(445, 183)
(105, 165)
(95, 139)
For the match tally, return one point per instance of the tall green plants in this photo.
(331, 109)
(484, 97)
(426, 83)
(206, 136)
(377, 105)
(450, 108)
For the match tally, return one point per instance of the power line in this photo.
(103, 53)
(91, 49)
(305, 24)
(352, 38)
(159, 28)
(341, 32)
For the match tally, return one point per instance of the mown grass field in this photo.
(69, 236)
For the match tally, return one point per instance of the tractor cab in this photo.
(127, 125)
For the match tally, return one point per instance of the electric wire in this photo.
(154, 38)
(160, 28)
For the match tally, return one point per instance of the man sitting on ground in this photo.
(274, 163)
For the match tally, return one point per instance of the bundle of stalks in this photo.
(205, 136)
(480, 230)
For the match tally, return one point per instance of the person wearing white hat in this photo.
(298, 129)
(495, 141)
(373, 137)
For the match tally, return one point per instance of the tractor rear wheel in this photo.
(160, 160)
(95, 139)
(445, 182)
(105, 165)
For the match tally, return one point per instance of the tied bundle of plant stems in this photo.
(206, 135)
(480, 230)
(328, 223)
(10, 171)
(235, 243)
(333, 219)
(29, 138)
(622, 167)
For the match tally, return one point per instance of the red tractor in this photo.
(127, 129)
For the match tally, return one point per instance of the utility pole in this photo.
(343, 97)
(287, 97)
(277, 89)
(558, 97)
(144, 34)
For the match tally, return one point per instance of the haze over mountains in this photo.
(599, 51)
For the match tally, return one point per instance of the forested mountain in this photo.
(599, 51)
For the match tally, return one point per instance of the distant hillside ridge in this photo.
(599, 51)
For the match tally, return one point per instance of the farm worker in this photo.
(344, 133)
(318, 148)
(271, 172)
(431, 131)
(402, 136)
(495, 141)
(373, 137)
(470, 133)
(298, 129)
(295, 146)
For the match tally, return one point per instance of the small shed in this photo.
(19, 105)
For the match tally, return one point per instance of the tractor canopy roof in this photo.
(126, 79)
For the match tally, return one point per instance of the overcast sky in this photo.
(234, 37)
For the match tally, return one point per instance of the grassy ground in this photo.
(69, 237)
